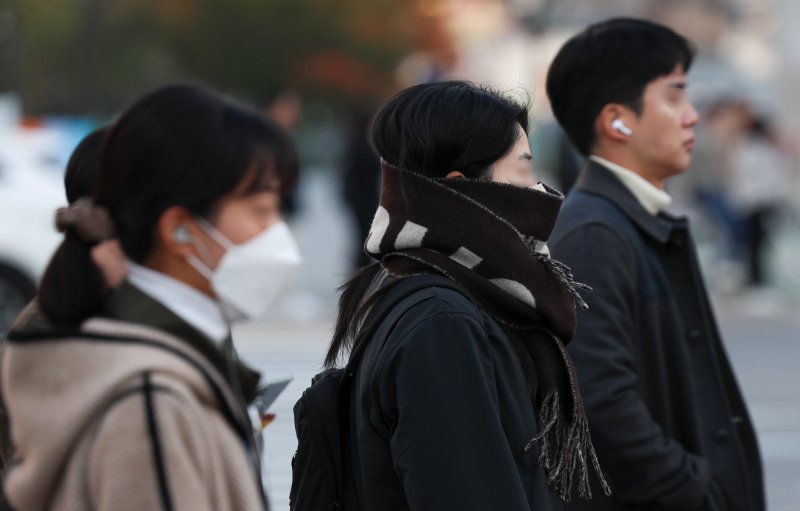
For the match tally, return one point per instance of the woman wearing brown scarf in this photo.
(469, 401)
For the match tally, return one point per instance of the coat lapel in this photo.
(597, 180)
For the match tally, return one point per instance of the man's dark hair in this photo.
(610, 62)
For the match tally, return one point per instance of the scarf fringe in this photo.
(564, 275)
(564, 451)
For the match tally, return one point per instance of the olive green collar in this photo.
(128, 303)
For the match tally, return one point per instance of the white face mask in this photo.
(252, 274)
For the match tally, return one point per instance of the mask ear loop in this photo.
(202, 250)
(201, 263)
(212, 231)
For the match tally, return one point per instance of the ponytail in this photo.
(72, 288)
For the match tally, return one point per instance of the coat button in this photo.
(722, 435)
(694, 336)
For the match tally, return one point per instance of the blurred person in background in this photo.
(741, 177)
(285, 107)
(761, 176)
(470, 401)
(361, 179)
(557, 156)
(706, 179)
(144, 381)
(665, 411)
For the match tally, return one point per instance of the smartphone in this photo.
(268, 391)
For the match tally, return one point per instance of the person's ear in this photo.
(175, 230)
(454, 174)
(614, 122)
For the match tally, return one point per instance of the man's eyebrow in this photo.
(679, 85)
(525, 156)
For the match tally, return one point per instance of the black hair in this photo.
(180, 145)
(610, 62)
(84, 165)
(436, 128)
(432, 129)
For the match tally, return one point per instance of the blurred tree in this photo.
(89, 56)
(9, 48)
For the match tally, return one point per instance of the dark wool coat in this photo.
(442, 414)
(666, 414)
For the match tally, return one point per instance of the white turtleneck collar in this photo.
(653, 199)
(189, 304)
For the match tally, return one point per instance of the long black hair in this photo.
(83, 166)
(180, 145)
(432, 129)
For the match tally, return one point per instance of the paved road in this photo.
(765, 352)
(280, 349)
(763, 342)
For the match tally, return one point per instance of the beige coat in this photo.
(126, 417)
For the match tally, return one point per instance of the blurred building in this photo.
(743, 45)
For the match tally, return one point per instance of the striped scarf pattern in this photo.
(491, 239)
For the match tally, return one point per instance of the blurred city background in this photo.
(321, 67)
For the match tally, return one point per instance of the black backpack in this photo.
(321, 476)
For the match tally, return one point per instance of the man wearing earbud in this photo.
(665, 412)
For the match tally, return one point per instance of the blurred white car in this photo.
(31, 189)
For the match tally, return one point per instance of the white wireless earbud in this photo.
(181, 235)
(618, 125)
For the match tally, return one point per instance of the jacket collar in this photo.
(130, 304)
(197, 309)
(597, 180)
(653, 199)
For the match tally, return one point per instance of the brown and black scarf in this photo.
(490, 238)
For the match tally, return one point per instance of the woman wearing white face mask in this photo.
(249, 275)
(149, 399)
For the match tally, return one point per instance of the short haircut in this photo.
(610, 62)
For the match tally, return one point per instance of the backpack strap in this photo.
(378, 324)
(387, 310)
